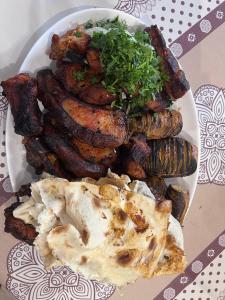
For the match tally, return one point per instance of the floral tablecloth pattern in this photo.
(185, 25)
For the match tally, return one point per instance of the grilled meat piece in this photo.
(93, 58)
(177, 84)
(105, 156)
(18, 228)
(71, 160)
(93, 125)
(42, 159)
(160, 103)
(24, 190)
(157, 186)
(133, 157)
(171, 157)
(75, 39)
(164, 124)
(21, 92)
(78, 81)
(180, 201)
(97, 94)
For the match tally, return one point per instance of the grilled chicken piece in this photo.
(105, 156)
(93, 58)
(93, 125)
(177, 84)
(42, 159)
(180, 201)
(88, 92)
(164, 124)
(157, 186)
(133, 157)
(160, 103)
(21, 92)
(97, 94)
(171, 157)
(71, 160)
(76, 39)
(18, 228)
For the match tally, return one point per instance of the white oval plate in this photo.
(37, 58)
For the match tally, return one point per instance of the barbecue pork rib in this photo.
(21, 92)
(93, 125)
(72, 160)
(177, 84)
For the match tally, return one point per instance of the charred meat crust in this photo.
(157, 186)
(177, 84)
(97, 94)
(171, 157)
(93, 125)
(42, 159)
(21, 92)
(18, 228)
(71, 159)
(164, 124)
(160, 103)
(93, 58)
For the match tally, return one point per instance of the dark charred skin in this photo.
(18, 228)
(21, 92)
(42, 159)
(61, 45)
(157, 186)
(160, 103)
(97, 95)
(105, 156)
(171, 157)
(164, 124)
(180, 201)
(177, 84)
(71, 160)
(25, 190)
(133, 157)
(93, 125)
(93, 58)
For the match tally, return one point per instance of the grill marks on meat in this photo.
(76, 39)
(177, 84)
(42, 159)
(70, 158)
(21, 92)
(18, 228)
(164, 124)
(171, 157)
(93, 125)
(84, 89)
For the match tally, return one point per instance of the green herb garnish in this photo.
(94, 80)
(131, 67)
(79, 75)
(78, 34)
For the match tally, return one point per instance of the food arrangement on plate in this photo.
(102, 143)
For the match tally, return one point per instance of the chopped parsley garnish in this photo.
(94, 80)
(78, 34)
(79, 75)
(131, 66)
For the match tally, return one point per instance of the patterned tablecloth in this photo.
(195, 31)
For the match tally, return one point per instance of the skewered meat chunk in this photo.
(72, 161)
(157, 186)
(105, 156)
(160, 103)
(164, 124)
(18, 228)
(93, 58)
(42, 159)
(171, 157)
(177, 84)
(134, 157)
(93, 125)
(21, 92)
(180, 201)
(82, 86)
(76, 39)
